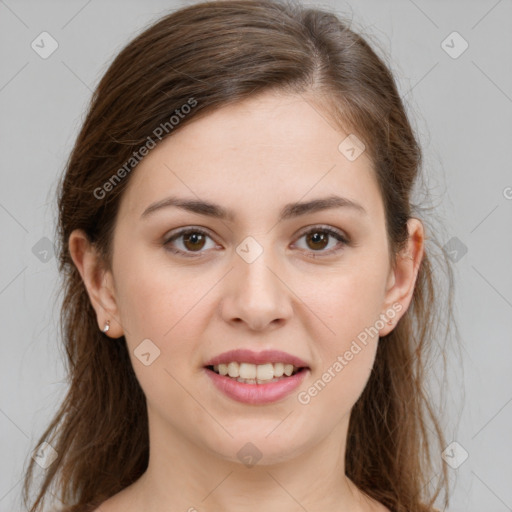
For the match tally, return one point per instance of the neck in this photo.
(184, 476)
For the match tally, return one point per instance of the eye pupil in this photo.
(318, 237)
(193, 238)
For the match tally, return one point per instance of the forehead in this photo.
(264, 151)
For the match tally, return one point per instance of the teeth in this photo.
(264, 371)
(234, 370)
(278, 369)
(247, 371)
(253, 373)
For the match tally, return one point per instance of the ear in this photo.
(98, 281)
(402, 278)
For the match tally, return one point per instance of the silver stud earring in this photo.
(107, 326)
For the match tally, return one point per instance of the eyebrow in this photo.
(289, 211)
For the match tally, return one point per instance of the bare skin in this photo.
(252, 158)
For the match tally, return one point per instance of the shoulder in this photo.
(103, 507)
(119, 502)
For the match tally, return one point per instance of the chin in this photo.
(258, 447)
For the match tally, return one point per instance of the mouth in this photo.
(256, 384)
(249, 373)
(256, 378)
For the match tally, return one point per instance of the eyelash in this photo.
(338, 235)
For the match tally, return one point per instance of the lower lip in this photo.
(257, 393)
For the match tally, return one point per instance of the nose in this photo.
(257, 294)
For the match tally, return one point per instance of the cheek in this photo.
(155, 299)
(347, 311)
(344, 301)
(156, 304)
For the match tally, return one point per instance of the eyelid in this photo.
(325, 227)
(175, 233)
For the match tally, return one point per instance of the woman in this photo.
(249, 299)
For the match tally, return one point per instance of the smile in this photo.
(255, 373)
(256, 391)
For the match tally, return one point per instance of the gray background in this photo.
(461, 108)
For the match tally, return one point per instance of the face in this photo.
(313, 283)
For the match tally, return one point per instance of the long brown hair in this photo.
(217, 53)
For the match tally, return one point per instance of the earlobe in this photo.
(403, 276)
(98, 282)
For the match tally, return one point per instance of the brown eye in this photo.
(194, 241)
(317, 239)
(188, 242)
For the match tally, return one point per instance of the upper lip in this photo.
(248, 356)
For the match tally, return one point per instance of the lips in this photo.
(262, 384)
(254, 393)
(257, 358)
